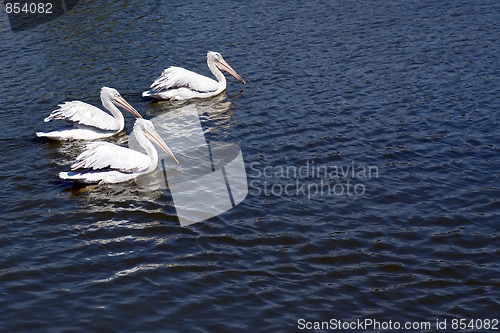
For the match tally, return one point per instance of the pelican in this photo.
(180, 84)
(87, 122)
(106, 162)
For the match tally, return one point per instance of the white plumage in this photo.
(104, 162)
(177, 83)
(87, 122)
(100, 155)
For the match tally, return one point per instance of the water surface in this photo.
(410, 89)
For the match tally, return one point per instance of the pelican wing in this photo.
(77, 112)
(105, 155)
(177, 77)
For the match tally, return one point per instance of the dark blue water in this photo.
(408, 91)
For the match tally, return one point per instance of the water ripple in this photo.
(409, 88)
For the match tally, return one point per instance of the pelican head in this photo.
(111, 94)
(149, 131)
(221, 64)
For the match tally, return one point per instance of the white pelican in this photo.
(109, 163)
(181, 84)
(87, 122)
